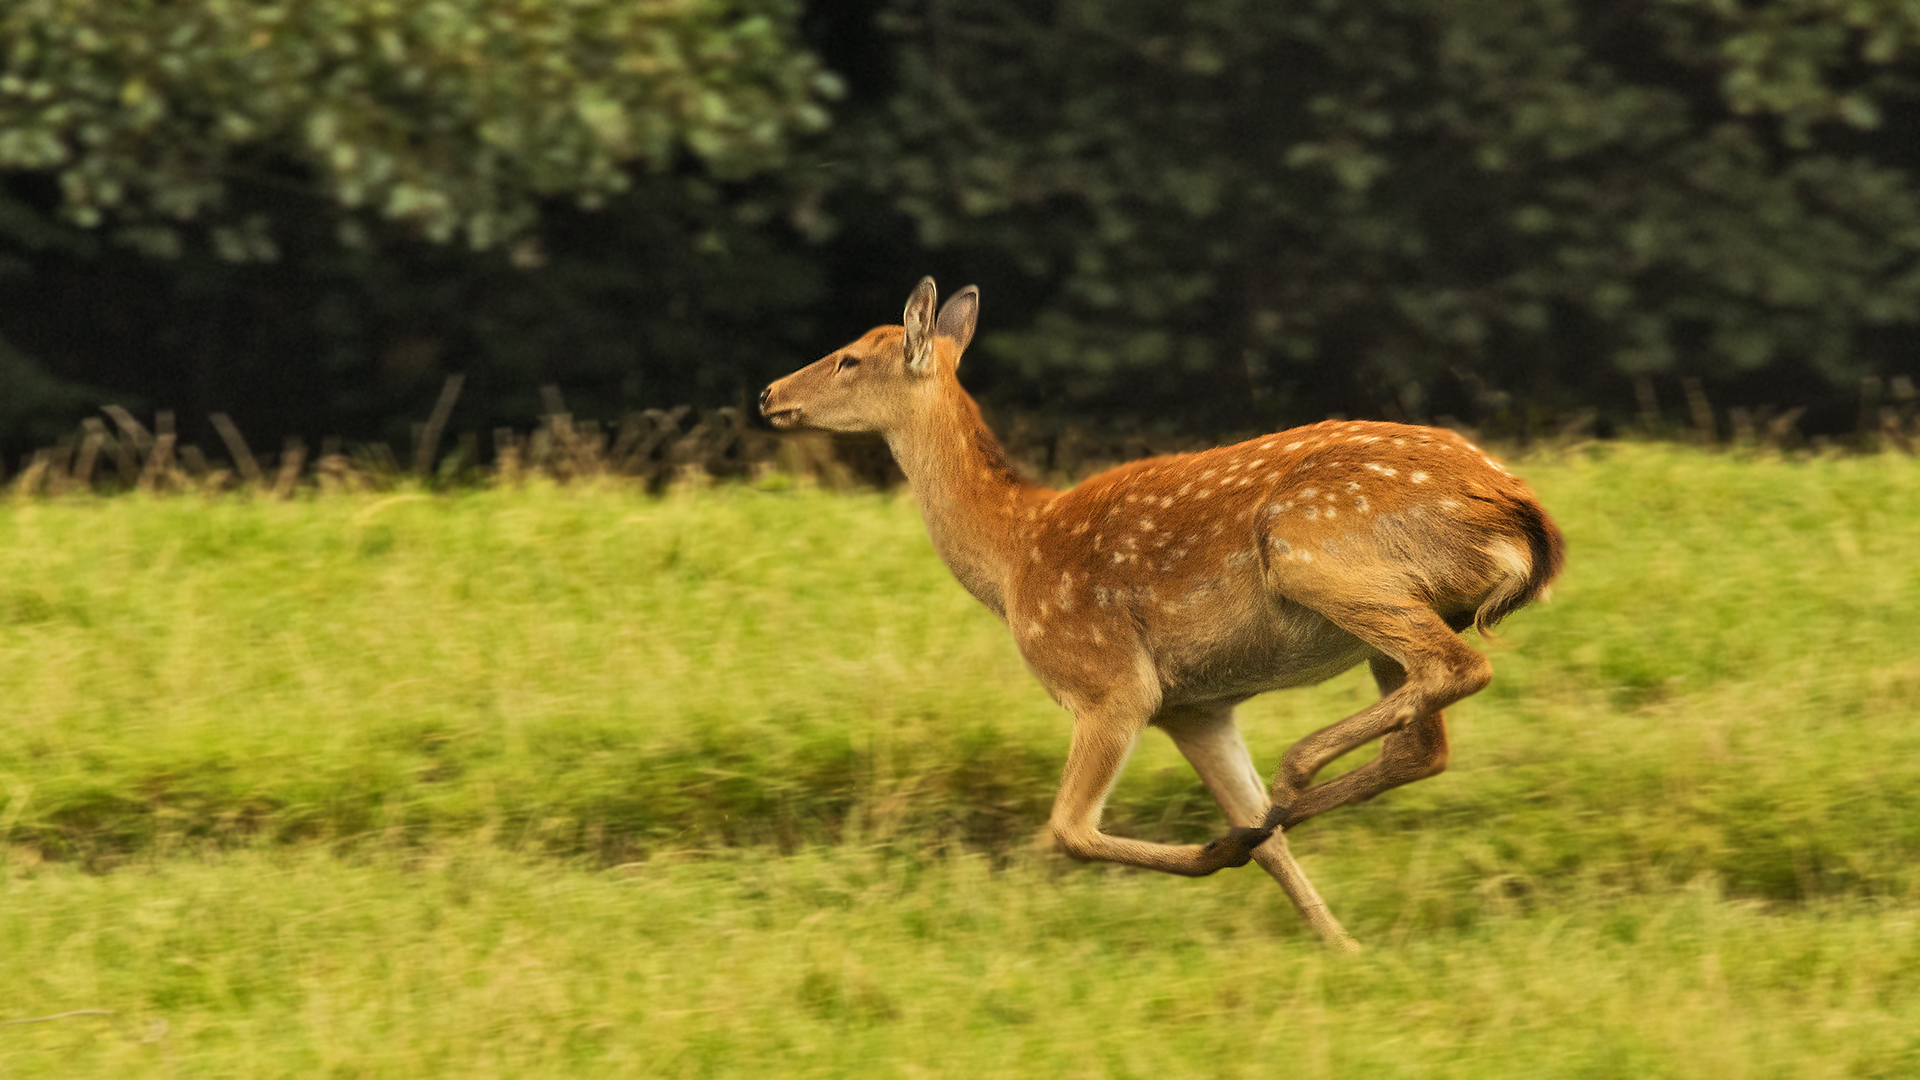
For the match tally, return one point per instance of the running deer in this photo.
(1167, 591)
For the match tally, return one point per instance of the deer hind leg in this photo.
(1427, 668)
(1102, 741)
(1414, 752)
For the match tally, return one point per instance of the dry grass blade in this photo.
(130, 427)
(58, 1016)
(291, 461)
(160, 471)
(237, 446)
(1781, 429)
(96, 436)
(423, 454)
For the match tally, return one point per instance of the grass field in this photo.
(737, 782)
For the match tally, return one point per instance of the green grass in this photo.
(733, 782)
(471, 962)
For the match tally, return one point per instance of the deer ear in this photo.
(920, 327)
(957, 317)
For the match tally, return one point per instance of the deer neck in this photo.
(970, 496)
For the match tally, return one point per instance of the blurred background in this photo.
(1194, 219)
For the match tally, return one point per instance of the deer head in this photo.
(886, 379)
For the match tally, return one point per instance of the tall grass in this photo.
(1724, 683)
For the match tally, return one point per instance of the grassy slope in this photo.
(1690, 796)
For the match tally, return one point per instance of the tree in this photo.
(219, 205)
(454, 116)
(1239, 209)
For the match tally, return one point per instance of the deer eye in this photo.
(847, 362)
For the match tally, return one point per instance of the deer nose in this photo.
(764, 395)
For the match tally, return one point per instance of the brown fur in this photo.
(1168, 590)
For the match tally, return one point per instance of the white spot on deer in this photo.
(1305, 556)
(1332, 513)
(1353, 485)
(1403, 442)
(1184, 488)
(1449, 504)
(1360, 503)
(1208, 473)
(1081, 528)
(1383, 470)
(1233, 466)
(1146, 524)
(1293, 446)
(1036, 554)
(1166, 502)
(1131, 543)
(1240, 558)
(1034, 629)
(1204, 493)
(1119, 556)
(1133, 498)
(1308, 493)
(1312, 512)
(1255, 463)
(1279, 544)
(1418, 478)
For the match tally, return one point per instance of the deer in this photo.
(1167, 591)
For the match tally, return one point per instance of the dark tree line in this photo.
(1208, 216)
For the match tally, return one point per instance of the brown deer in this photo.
(1168, 590)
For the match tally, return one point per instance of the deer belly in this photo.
(1239, 650)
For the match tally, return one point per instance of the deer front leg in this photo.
(1210, 741)
(1102, 741)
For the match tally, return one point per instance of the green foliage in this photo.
(453, 116)
(1213, 216)
(1327, 203)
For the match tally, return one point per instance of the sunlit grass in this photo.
(739, 781)
(471, 962)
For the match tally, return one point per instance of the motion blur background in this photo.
(1195, 218)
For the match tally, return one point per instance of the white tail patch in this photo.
(1513, 566)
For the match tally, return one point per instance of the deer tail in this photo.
(1525, 576)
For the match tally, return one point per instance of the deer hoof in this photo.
(1236, 848)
